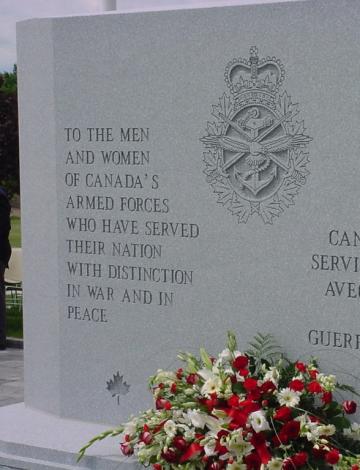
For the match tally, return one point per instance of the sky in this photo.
(12, 11)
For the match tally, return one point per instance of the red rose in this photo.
(267, 387)
(349, 407)
(313, 373)
(254, 395)
(252, 461)
(288, 464)
(173, 387)
(300, 459)
(283, 414)
(314, 387)
(179, 374)
(250, 384)
(249, 406)
(300, 366)
(319, 453)
(126, 448)
(296, 385)
(212, 401)
(314, 419)
(157, 466)
(192, 379)
(146, 437)
(233, 401)
(326, 398)
(162, 404)
(169, 455)
(238, 417)
(180, 443)
(241, 362)
(289, 431)
(332, 457)
(355, 467)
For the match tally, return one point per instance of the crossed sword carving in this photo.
(268, 148)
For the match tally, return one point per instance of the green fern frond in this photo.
(264, 348)
(231, 343)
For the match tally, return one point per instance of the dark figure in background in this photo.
(5, 252)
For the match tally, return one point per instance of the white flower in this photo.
(197, 418)
(209, 447)
(225, 356)
(287, 397)
(237, 354)
(236, 444)
(165, 377)
(189, 434)
(170, 428)
(212, 383)
(353, 431)
(205, 374)
(328, 382)
(145, 453)
(310, 429)
(258, 421)
(275, 464)
(272, 375)
(327, 430)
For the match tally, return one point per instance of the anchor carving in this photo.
(257, 160)
(255, 185)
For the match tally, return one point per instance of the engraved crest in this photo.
(256, 153)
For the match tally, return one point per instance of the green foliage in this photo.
(264, 348)
(232, 343)
(14, 318)
(8, 81)
(192, 363)
(9, 134)
(100, 437)
(15, 233)
(205, 358)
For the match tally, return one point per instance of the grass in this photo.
(14, 320)
(15, 234)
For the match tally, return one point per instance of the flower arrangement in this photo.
(243, 411)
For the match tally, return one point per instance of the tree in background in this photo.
(9, 134)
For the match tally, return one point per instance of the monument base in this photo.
(34, 440)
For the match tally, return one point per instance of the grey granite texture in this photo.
(270, 255)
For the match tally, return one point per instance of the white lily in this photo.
(258, 421)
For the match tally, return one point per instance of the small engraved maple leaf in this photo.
(117, 386)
